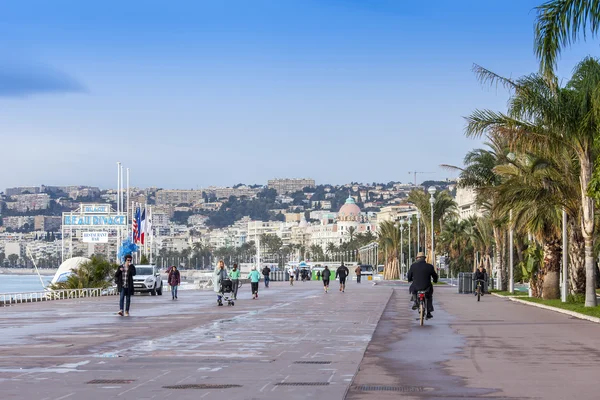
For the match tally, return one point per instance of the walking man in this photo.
(235, 280)
(124, 281)
(342, 272)
(266, 271)
(174, 281)
(358, 273)
(326, 275)
(254, 277)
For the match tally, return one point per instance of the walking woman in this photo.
(218, 276)
(254, 277)
(235, 280)
(326, 275)
(174, 281)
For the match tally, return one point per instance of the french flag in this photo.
(142, 232)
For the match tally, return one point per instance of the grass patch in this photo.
(574, 306)
(440, 283)
(506, 293)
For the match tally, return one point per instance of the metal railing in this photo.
(8, 299)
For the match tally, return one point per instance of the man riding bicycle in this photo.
(480, 276)
(420, 274)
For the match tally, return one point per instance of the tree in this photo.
(558, 24)
(12, 259)
(388, 237)
(95, 273)
(542, 113)
(2, 257)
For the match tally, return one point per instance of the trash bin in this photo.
(465, 282)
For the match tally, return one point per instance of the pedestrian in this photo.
(124, 280)
(291, 274)
(326, 276)
(342, 272)
(235, 280)
(218, 276)
(297, 273)
(266, 271)
(254, 277)
(318, 275)
(358, 273)
(174, 280)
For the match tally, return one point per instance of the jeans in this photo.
(125, 297)
(267, 279)
(235, 284)
(357, 278)
(174, 291)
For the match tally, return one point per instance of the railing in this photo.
(8, 299)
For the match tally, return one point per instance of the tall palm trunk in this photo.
(576, 260)
(587, 227)
(549, 275)
(499, 258)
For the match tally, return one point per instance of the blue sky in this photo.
(196, 93)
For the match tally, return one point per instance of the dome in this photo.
(349, 210)
(66, 267)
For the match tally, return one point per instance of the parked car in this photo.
(147, 279)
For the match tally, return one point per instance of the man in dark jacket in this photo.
(420, 274)
(124, 280)
(266, 272)
(342, 272)
(480, 275)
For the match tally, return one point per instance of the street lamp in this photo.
(400, 226)
(432, 190)
(409, 222)
(511, 279)
(418, 233)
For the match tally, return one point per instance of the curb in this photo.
(545, 307)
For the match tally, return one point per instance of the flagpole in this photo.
(151, 234)
(146, 230)
(118, 207)
(127, 214)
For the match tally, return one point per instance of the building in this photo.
(20, 222)
(466, 203)
(176, 197)
(395, 212)
(227, 192)
(23, 190)
(29, 202)
(47, 223)
(283, 186)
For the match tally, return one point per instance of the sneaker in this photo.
(127, 313)
(120, 313)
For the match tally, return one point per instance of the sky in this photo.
(189, 94)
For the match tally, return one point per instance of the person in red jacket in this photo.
(174, 281)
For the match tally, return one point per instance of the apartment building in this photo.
(47, 223)
(290, 185)
(22, 190)
(18, 222)
(29, 202)
(175, 197)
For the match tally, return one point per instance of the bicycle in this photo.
(479, 289)
(422, 303)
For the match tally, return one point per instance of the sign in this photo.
(114, 220)
(95, 237)
(96, 209)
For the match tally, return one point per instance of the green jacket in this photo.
(234, 274)
(254, 276)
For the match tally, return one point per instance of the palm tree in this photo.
(541, 113)
(558, 24)
(331, 249)
(389, 244)
(444, 209)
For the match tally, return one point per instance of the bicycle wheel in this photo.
(421, 312)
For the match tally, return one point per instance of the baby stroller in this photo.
(226, 292)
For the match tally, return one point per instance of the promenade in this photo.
(296, 343)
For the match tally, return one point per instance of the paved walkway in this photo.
(296, 343)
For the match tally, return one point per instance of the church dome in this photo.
(349, 211)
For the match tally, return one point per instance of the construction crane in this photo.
(418, 172)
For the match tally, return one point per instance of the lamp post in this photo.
(432, 190)
(418, 233)
(511, 279)
(409, 222)
(400, 226)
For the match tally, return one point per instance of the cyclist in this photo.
(420, 274)
(480, 276)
